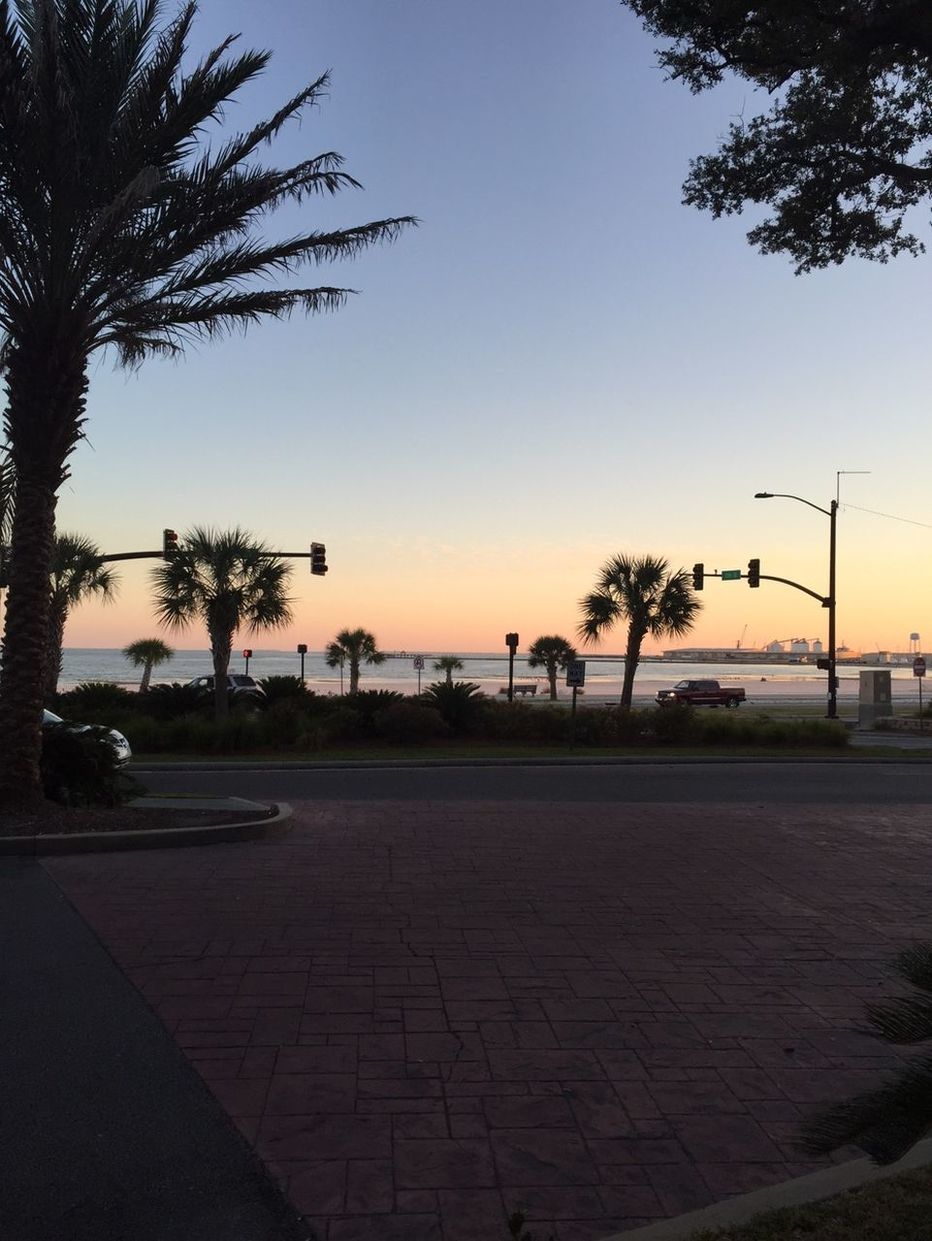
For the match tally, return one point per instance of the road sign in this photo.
(919, 666)
(576, 673)
(731, 575)
(419, 662)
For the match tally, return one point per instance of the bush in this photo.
(407, 723)
(459, 703)
(286, 689)
(79, 768)
(367, 703)
(170, 702)
(92, 698)
(727, 730)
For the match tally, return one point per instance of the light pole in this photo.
(832, 514)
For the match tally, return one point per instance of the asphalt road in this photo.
(837, 782)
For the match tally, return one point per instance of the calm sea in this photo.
(603, 673)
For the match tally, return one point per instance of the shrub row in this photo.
(166, 720)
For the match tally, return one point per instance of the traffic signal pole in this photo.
(832, 679)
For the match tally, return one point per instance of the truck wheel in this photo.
(732, 702)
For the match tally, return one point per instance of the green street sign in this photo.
(731, 575)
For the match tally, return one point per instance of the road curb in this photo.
(272, 825)
(816, 1187)
(414, 763)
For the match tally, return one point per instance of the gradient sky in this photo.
(561, 363)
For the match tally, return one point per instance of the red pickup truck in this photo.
(701, 694)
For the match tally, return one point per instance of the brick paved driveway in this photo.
(426, 1016)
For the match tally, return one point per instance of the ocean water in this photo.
(490, 671)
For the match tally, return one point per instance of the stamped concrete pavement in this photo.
(426, 1016)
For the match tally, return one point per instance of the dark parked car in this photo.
(243, 690)
(120, 745)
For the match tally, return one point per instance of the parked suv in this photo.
(244, 691)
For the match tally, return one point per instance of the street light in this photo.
(831, 513)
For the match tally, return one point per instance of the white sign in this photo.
(576, 673)
(919, 666)
(419, 662)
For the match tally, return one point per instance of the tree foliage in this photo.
(353, 647)
(126, 222)
(844, 151)
(147, 653)
(552, 653)
(642, 591)
(230, 581)
(77, 574)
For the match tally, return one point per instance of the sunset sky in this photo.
(562, 362)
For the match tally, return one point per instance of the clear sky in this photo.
(562, 361)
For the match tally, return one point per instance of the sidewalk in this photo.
(425, 1017)
(106, 1131)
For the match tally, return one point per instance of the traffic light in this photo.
(318, 559)
(169, 544)
(754, 573)
(698, 576)
(247, 654)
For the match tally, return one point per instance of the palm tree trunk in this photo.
(353, 675)
(221, 648)
(552, 678)
(26, 634)
(57, 617)
(632, 656)
(146, 677)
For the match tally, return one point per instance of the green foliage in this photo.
(717, 728)
(459, 703)
(80, 768)
(408, 723)
(842, 154)
(284, 688)
(887, 1121)
(169, 702)
(95, 698)
(366, 704)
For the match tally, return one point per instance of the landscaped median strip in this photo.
(271, 820)
(769, 1214)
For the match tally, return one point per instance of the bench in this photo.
(520, 689)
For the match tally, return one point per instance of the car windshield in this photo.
(241, 680)
(49, 717)
(681, 685)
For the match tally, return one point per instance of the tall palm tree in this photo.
(230, 581)
(448, 664)
(147, 653)
(353, 646)
(77, 574)
(642, 591)
(552, 653)
(124, 225)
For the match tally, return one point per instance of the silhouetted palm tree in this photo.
(121, 226)
(551, 653)
(147, 653)
(643, 592)
(448, 664)
(228, 580)
(355, 647)
(77, 574)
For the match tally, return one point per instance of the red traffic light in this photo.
(169, 544)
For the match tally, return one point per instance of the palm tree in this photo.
(147, 653)
(77, 574)
(124, 225)
(648, 596)
(228, 580)
(448, 664)
(552, 653)
(353, 646)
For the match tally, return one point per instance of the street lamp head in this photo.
(763, 495)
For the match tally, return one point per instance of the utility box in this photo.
(875, 697)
